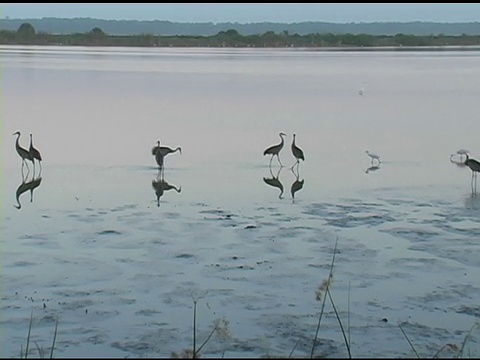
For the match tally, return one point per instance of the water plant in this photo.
(41, 351)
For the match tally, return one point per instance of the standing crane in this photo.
(161, 151)
(24, 153)
(35, 155)
(297, 152)
(274, 150)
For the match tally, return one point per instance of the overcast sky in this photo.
(252, 12)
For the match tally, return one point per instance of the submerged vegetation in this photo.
(26, 35)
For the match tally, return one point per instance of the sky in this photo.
(250, 12)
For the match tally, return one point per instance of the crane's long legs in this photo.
(473, 183)
(24, 162)
(296, 163)
(278, 158)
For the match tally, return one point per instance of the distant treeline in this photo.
(167, 28)
(27, 35)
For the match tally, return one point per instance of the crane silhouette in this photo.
(373, 156)
(161, 151)
(274, 150)
(297, 152)
(35, 154)
(474, 165)
(273, 181)
(24, 153)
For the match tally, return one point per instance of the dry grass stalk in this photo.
(319, 296)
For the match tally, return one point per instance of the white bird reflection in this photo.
(372, 168)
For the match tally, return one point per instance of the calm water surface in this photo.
(96, 113)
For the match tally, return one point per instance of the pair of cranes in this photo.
(274, 150)
(31, 154)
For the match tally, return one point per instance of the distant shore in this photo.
(27, 35)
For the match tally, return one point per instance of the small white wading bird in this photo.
(460, 152)
(373, 156)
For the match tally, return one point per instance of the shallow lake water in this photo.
(117, 253)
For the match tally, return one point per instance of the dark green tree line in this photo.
(26, 35)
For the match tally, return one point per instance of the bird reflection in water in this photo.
(26, 186)
(297, 184)
(160, 186)
(274, 181)
(372, 169)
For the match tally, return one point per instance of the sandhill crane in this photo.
(297, 152)
(161, 151)
(24, 153)
(35, 154)
(274, 150)
(474, 165)
(373, 156)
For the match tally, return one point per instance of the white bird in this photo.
(362, 89)
(373, 156)
(461, 152)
